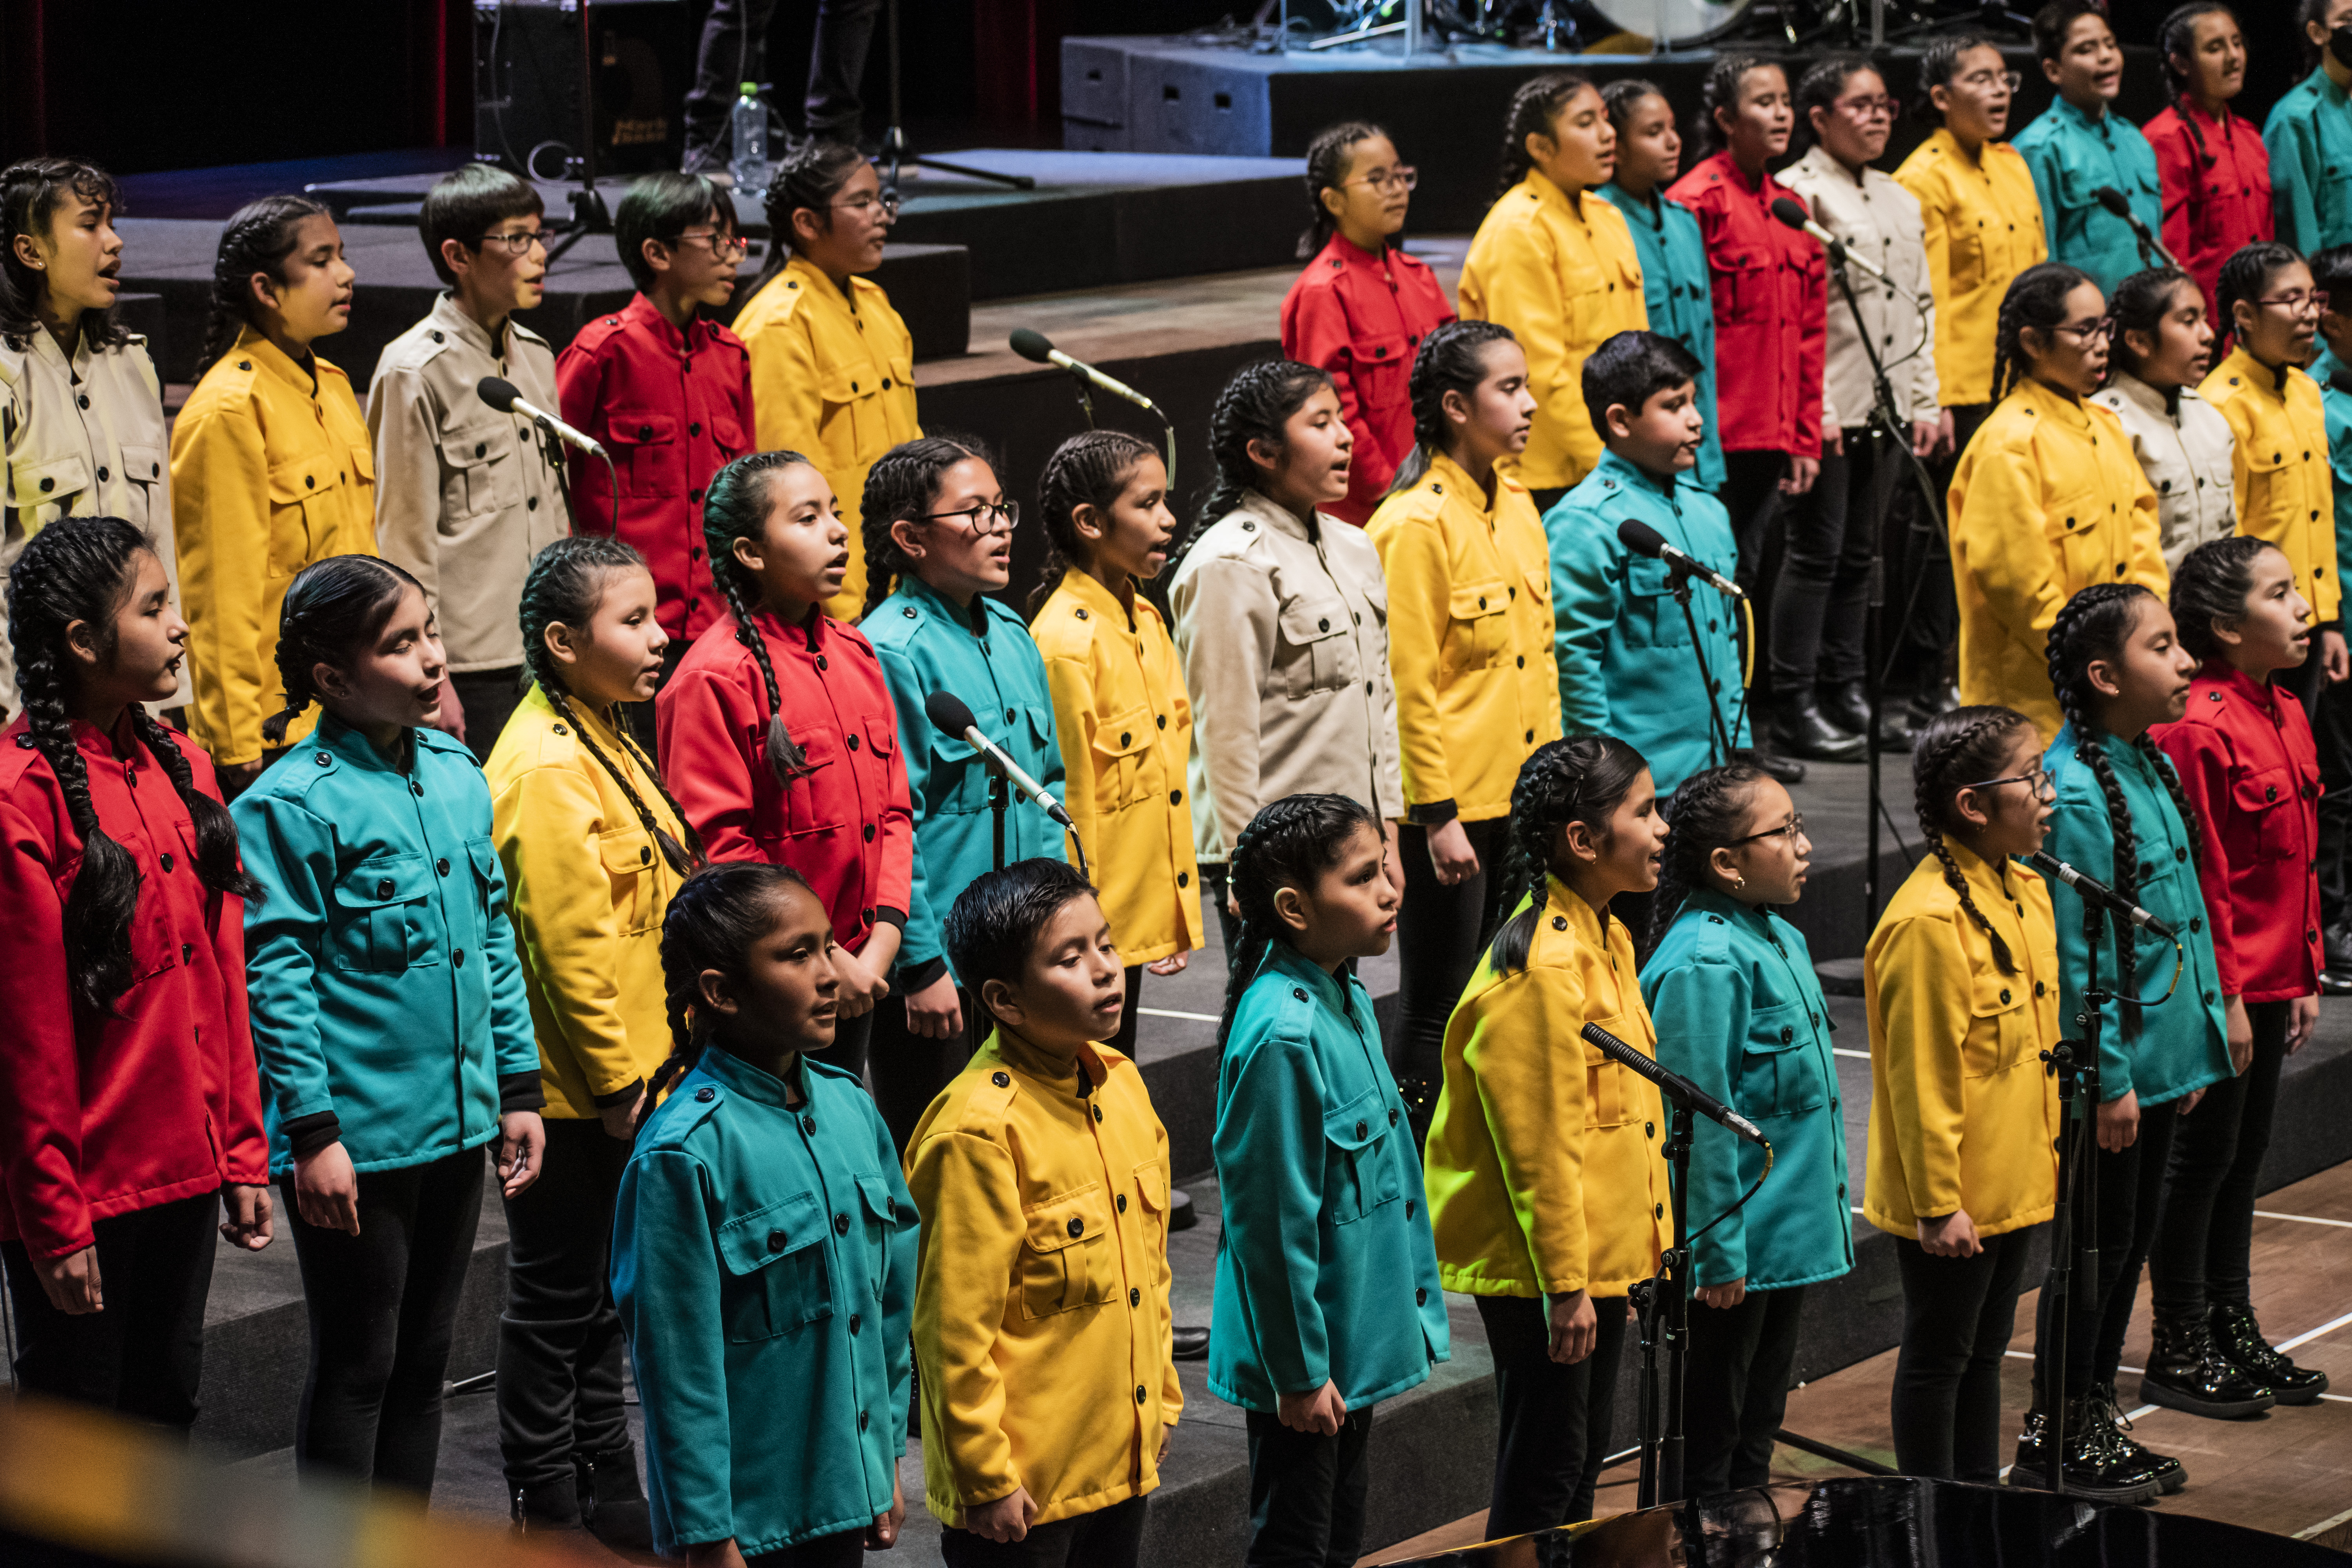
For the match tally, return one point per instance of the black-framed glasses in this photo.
(516, 244)
(722, 244)
(2044, 782)
(2300, 303)
(1404, 177)
(1863, 106)
(863, 204)
(987, 518)
(1981, 79)
(2089, 331)
(1794, 829)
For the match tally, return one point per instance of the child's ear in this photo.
(558, 638)
(1087, 520)
(456, 257)
(2103, 677)
(1290, 908)
(2227, 633)
(330, 682)
(998, 999)
(746, 550)
(655, 253)
(1966, 806)
(28, 251)
(805, 227)
(1579, 845)
(83, 639)
(906, 534)
(1619, 420)
(1456, 407)
(1719, 860)
(712, 984)
(263, 289)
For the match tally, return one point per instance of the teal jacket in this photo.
(2338, 406)
(764, 1265)
(2309, 138)
(1325, 1267)
(388, 1006)
(2183, 1045)
(985, 656)
(1680, 298)
(1624, 650)
(1739, 1013)
(2072, 156)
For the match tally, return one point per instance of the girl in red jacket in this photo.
(2212, 164)
(2246, 760)
(1360, 310)
(131, 1107)
(778, 733)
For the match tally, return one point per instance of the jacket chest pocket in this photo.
(727, 433)
(1777, 1076)
(2085, 548)
(1070, 1257)
(855, 423)
(1745, 287)
(479, 458)
(45, 490)
(381, 920)
(2269, 812)
(143, 467)
(1653, 617)
(1151, 1187)
(1316, 653)
(775, 1261)
(1382, 363)
(631, 865)
(2270, 495)
(884, 1217)
(294, 491)
(1126, 759)
(871, 746)
(811, 802)
(1361, 1172)
(1479, 630)
(1609, 1096)
(1965, 244)
(487, 887)
(2003, 1027)
(647, 457)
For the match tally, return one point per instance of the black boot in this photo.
(2185, 1372)
(2096, 1464)
(1788, 770)
(546, 1506)
(1799, 729)
(611, 1501)
(2169, 1475)
(2335, 976)
(2239, 1339)
(1846, 704)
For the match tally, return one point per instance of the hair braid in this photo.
(713, 919)
(1088, 469)
(258, 237)
(786, 760)
(2175, 37)
(902, 486)
(1707, 812)
(105, 892)
(1255, 407)
(1288, 844)
(1960, 748)
(216, 853)
(1579, 780)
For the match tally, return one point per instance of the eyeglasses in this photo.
(1983, 80)
(2089, 331)
(1794, 827)
(1404, 177)
(984, 519)
(2043, 782)
(864, 205)
(2299, 303)
(722, 244)
(1863, 108)
(516, 244)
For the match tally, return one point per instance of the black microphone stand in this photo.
(1667, 1298)
(2078, 1080)
(1720, 735)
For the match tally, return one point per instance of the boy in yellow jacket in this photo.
(1047, 1405)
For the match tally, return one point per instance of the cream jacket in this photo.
(1284, 638)
(2183, 446)
(81, 438)
(465, 495)
(1880, 222)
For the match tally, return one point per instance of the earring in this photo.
(1738, 883)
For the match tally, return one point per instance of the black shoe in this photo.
(1799, 729)
(2169, 1475)
(544, 1508)
(2239, 1339)
(2336, 981)
(1190, 1344)
(611, 1503)
(2185, 1372)
(2338, 947)
(1181, 1214)
(1788, 770)
(2096, 1466)
(1846, 705)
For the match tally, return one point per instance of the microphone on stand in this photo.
(1790, 212)
(1035, 346)
(2112, 200)
(2096, 891)
(1673, 1085)
(953, 716)
(1643, 540)
(503, 395)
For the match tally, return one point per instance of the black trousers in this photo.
(560, 1344)
(844, 1549)
(2205, 1241)
(489, 698)
(143, 1355)
(851, 1038)
(1958, 1316)
(1108, 1538)
(1736, 1388)
(2131, 1181)
(1215, 878)
(1923, 610)
(383, 1305)
(908, 1070)
(1821, 604)
(1441, 931)
(2330, 710)
(1307, 1492)
(1555, 1418)
(1751, 494)
(735, 50)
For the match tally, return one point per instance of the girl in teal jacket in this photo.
(764, 1250)
(388, 1011)
(1326, 1297)
(1739, 1013)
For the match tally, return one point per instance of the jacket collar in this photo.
(2051, 403)
(2261, 695)
(1650, 209)
(2121, 754)
(107, 746)
(1982, 874)
(639, 312)
(2255, 373)
(1754, 921)
(974, 617)
(1278, 517)
(1585, 923)
(2067, 113)
(2166, 402)
(1283, 960)
(1818, 159)
(2325, 368)
(1539, 184)
(594, 725)
(753, 1083)
(1456, 480)
(1088, 591)
(1627, 472)
(446, 315)
(811, 631)
(356, 749)
(1738, 180)
(1024, 1057)
(301, 374)
(817, 284)
(1944, 140)
(1354, 257)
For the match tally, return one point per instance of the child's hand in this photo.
(522, 1149)
(935, 1013)
(1450, 854)
(1173, 964)
(248, 1221)
(327, 1190)
(1167, 1436)
(715, 1555)
(2120, 1121)
(2302, 1019)
(1722, 1296)
(1317, 1410)
(621, 1120)
(71, 1282)
(1954, 1235)
(1575, 1327)
(1006, 1518)
(882, 1534)
(2241, 1032)
(861, 987)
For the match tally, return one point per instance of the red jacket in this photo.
(847, 826)
(1362, 317)
(1769, 326)
(2216, 177)
(672, 407)
(103, 1116)
(2246, 758)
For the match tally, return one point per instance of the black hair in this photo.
(566, 583)
(902, 484)
(333, 609)
(662, 208)
(1580, 780)
(83, 569)
(713, 919)
(2307, 13)
(2331, 273)
(1721, 90)
(467, 203)
(2175, 37)
(1452, 359)
(1708, 812)
(1256, 405)
(734, 506)
(2093, 627)
(1632, 368)
(2140, 304)
(2247, 275)
(1939, 63)
(31, 189)
(2211, 585)
(1619, 98)
(1960, 747)
(1088, 469)
(2036, 299)
(811, 175)
(1533, 109)
(1289, 843)
(1825, 79)
(257, 237)
(2055, 20)
(1327, 157)
(994, 921)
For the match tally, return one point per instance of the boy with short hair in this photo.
(1046, 1408)
(2079, 146)
(1624, 648)
(465, 495)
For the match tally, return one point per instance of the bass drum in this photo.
(1684, 24)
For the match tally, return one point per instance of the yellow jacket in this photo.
(833, 378)
(1041, 1302)
(1565, 277)
(1984, 227)
(588, 889)
(2281, 480)
(270, 471)
(1546, 1165)
(2047, 499)
(1469, 640)
(1126, 732)
(1961, 1113)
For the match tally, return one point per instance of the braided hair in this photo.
(1256, 405)
(1580, 780)
(1938, 64)
(714, 918)
(811, 175)
(1452, 359)
(2036, 299)
(1708, 811)
(1088, 469)
(2246, 277)
(333, 609)
(30, 191)
(734, 506)
(1822, 82)
(2140, 304)
(1533, 109)
(1327, 157)
(258, 237)
(2175, 39)
(566, 583)
(1288, 844)
(1721, 90)
(1960, 748)
(84, 569)
(2210, 588)
(900, 487)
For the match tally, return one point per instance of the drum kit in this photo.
(1658, 26)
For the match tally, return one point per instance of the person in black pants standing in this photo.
(734, 50)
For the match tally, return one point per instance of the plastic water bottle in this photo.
(749, 132)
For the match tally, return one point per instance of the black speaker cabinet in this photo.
(527, 81)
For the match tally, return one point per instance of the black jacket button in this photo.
(441, 867)
(869, 833)
(383, 888)
(1122, 1203)
(775, 1237)
(1135, 1297)
(1787, 1033)
(1421, 1297)
(841, 1225)
(706, 1094)
(1001, 1081)
(166, 862)
(1362, 1128)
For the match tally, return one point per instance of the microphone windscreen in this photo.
(1032, 345)
(1786, 209)
(2112, 200)
(948, 713)
(499, 393)
(1640, 538)
(2046, 863)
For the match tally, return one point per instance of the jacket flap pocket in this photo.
(902, 370)
(625, 850)
(640, 426)
(1472, 600)
(384, 880)
(1998, 993)
(1152, 1181)
(752, 1240)
(143, 464)
(1357, 1122)
(881, 733)
(2260, 461)
(728, 431)
(363, 464)
(291, 481)
(1041, 726)
(883, 1204)
(476, 441)
(1073, 1218)
(485, 856)
(2260, 792)
(1646, 577)
(1381, 348)
(1539, 581)
(1307, 620)
(847, 384)
(1128, 734)
(1773, 1029)
(50, 481)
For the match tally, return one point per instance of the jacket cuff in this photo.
(519, 1091)
(306, 1135)
(883, 915)
(1431, 814)
(911, 980)
(620, 1096)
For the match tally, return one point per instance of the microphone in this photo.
(2097, 892)
(1673, 1085)
(502, 394)
(1034, 345)
(2112, 200)
(1643, 540)
(949, 714)
(1788, 210)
